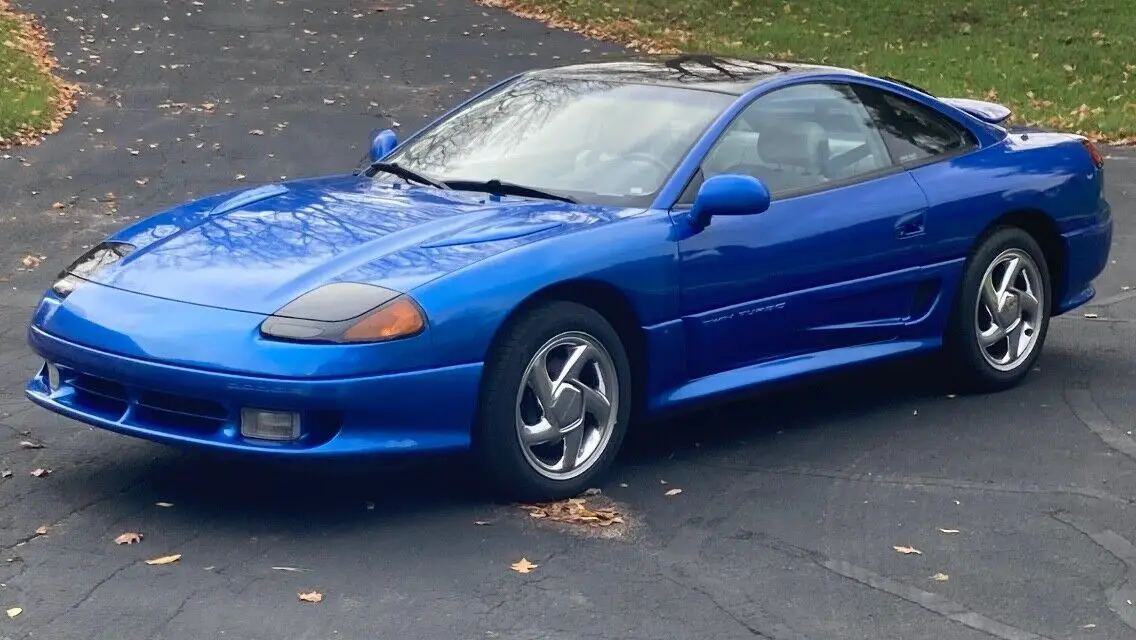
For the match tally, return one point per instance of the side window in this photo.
(797, 138)
(912, 131)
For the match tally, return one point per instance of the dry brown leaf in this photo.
(165, 505)
(673, 492)
(57, 205)
(28, 444)
(940, 577)
(165, 559)
(942, 530)
(311, 596)
(31, 262)
(208, 106)
(41, 531)
(523, 566)
(908, 550)
(40, 473)
(574, 511)
(14, 611)
(130, 537)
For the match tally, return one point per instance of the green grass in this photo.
(1062, 63)
(29, 94)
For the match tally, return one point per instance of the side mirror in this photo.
(728, 195)
(382, 144)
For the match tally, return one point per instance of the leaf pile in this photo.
(575, 511)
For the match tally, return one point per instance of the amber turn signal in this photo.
(397, 319)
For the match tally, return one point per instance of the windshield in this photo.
(595, 141)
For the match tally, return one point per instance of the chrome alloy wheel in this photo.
(567, 405)
(1009, 314)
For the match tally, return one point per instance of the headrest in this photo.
(794, 143)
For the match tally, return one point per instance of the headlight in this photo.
(346, 312)
(97, 258)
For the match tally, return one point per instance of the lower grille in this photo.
(156, 409)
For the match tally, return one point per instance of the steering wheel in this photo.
(646, 158)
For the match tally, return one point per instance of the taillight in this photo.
(1094, 153)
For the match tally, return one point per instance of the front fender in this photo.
(636, 255)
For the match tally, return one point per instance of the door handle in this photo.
(910, 225)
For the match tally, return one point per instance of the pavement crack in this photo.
(728, 611)
(86, 596)
(1081, 402)
(930, 482)
(1120, 597)
(932, 602)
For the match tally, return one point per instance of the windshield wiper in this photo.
(495, 186)
(404, 173)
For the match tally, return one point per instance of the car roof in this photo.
(730, 75)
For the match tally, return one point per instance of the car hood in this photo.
(255, 250)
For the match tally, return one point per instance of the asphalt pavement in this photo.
(1020, 504)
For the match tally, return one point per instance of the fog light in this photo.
(52, 377)
(270, 425)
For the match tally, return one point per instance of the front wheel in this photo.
(554, 403)
(1001, 316)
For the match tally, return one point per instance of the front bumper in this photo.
(417, 411)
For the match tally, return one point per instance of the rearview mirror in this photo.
(728, 195)
(382, 144)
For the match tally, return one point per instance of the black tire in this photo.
(970, 371)
(496, 444)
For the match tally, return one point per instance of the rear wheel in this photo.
(554, 403)
(1001, 316)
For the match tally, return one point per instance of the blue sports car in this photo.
(575, 248)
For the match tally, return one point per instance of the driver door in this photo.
(834, 260)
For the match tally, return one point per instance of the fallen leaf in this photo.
(57, 205)
(14, 611)
(208, 106)
(129, 537)
(673, 492)
(523, 566)
(311, 596)
(30, 261)
(163, 504)
(574, 511)
(292, 569)
(908, 550)
(940, 577)
(40, 473)
(942, 530)
(165, 559)
(42, 531)
(28, 444)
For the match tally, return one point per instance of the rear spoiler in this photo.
(984, 111)
(989, 112)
